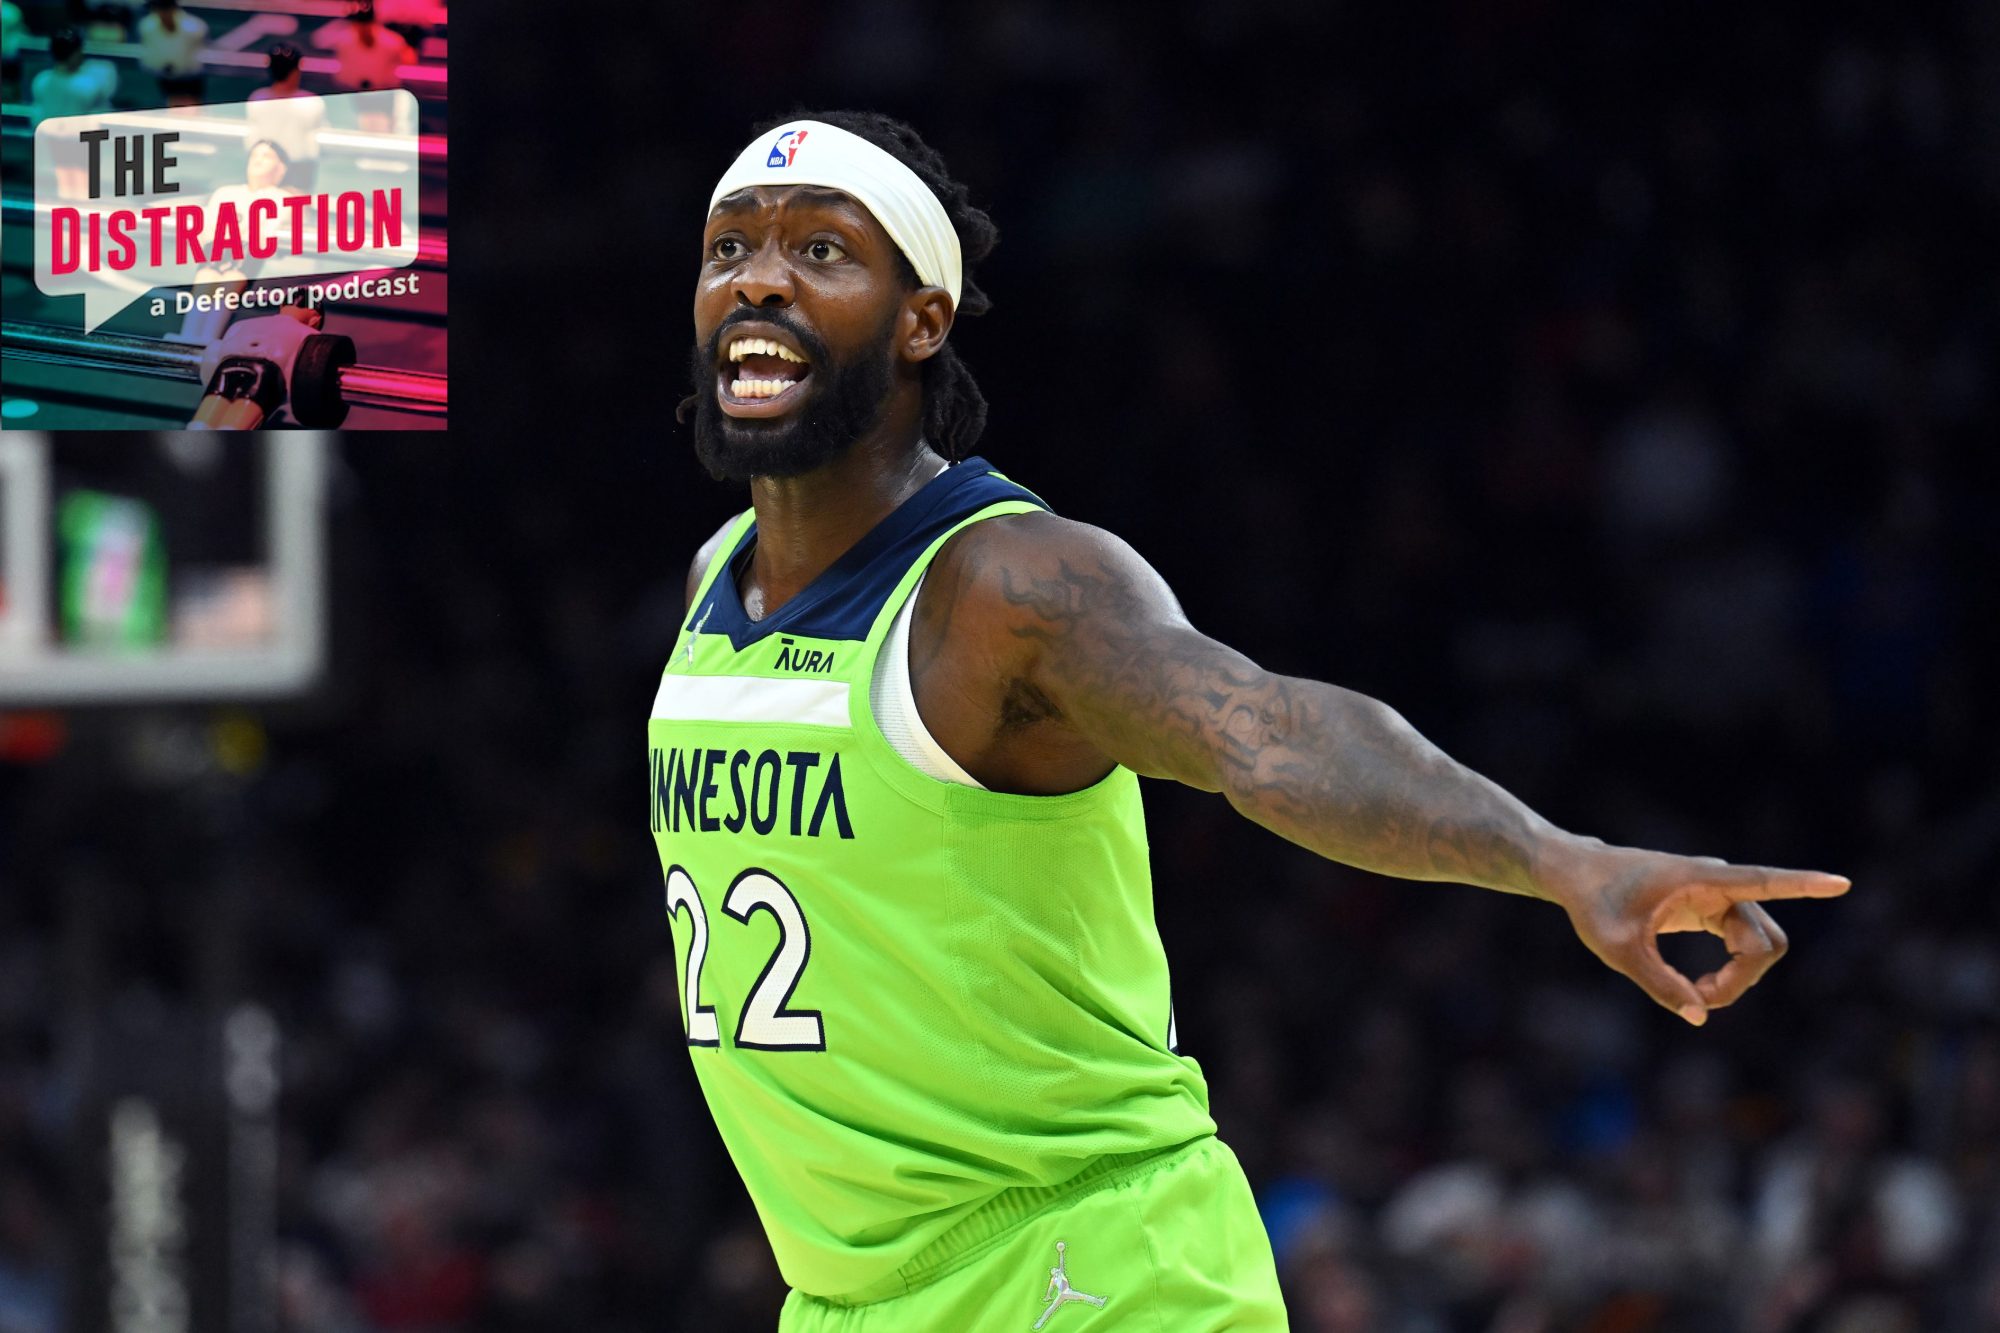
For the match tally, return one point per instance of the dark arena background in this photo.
(1609, 388)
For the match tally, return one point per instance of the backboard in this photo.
(161, 568)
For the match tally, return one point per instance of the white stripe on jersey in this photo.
(820, 703)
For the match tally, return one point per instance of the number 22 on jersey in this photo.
(765, 1023)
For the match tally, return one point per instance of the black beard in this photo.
(847, 402)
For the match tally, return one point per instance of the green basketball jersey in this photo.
(902, 995)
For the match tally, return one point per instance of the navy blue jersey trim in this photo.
(843, 602)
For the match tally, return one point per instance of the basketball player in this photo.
(894, 783)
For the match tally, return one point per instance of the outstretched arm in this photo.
(1343, 774)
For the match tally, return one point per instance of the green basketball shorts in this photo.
(1168, 1242)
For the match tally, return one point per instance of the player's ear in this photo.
(926, 322)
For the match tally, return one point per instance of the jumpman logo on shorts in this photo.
(1059, 1290)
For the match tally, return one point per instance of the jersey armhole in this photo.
(719, 561)
(881, 638)
(891, 692)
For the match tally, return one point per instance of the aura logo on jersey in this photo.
(785, 149)
(687, 795)
(792, 658)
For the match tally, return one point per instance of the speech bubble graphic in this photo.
(130, 202)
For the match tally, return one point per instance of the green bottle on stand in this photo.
(114, 572)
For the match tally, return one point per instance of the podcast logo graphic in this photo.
(130, 203)
(258, 242)
(785, 149)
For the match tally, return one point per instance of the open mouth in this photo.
(760, 376)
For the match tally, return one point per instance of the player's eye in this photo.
(727, 248)
(826, 252)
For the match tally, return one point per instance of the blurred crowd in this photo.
(1610, 389)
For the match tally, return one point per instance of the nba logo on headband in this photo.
(785, 148)
(870, 175)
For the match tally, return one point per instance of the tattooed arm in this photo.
(1102, 638)
(1330, 769)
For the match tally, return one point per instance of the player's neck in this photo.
(807, 522)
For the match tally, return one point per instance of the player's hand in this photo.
(1621, 900)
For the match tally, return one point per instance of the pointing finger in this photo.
(1762, 883)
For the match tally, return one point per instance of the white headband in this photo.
(810, 152)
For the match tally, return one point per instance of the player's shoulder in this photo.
(1031, 545)
(705, 553)
(1021, 576)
